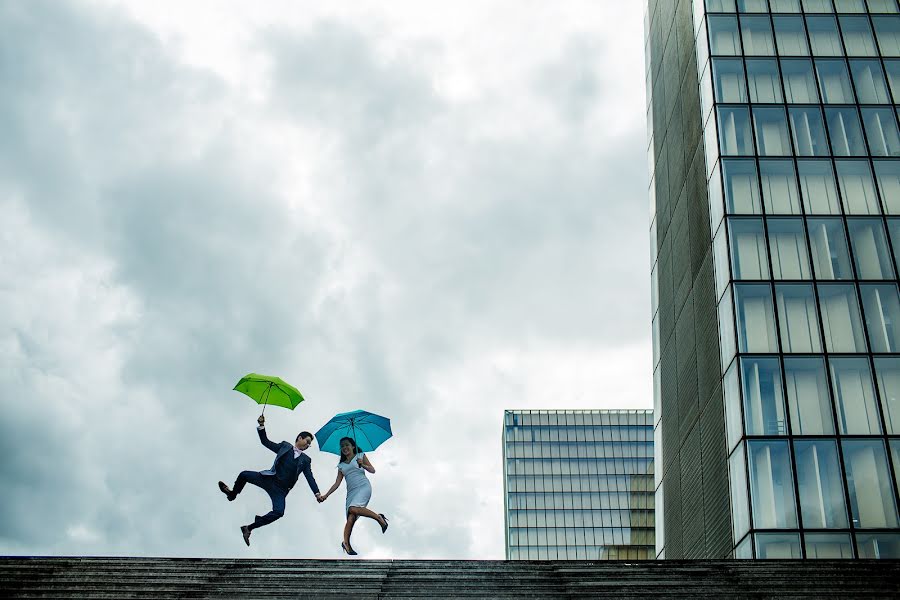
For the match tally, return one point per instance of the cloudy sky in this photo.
(429, 211)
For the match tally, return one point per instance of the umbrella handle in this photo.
(266, 401)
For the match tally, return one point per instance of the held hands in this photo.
(320, 498)
(261, 420)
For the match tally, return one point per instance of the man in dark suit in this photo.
(290, 461)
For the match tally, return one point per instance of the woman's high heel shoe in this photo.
(348, 549)
(385, 526)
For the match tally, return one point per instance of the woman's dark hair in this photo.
(352, 443)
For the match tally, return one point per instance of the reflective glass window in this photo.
(799, 82)
(748, 249)
(869, 482)
(741, 187)
(723, 35)
(823, 36)
(808, 398)
(737, 477)
(881, 306)
(870, 249)
(818, 187)
(840, 319)
(787, 245)
(771, 131)
(764, 412)
(722, 262)
(854, 396)
(755, 318)
(728, 75)
(808, 130)
(771, 484)
(720, 5)
(857, 187)
(777, 545)
(887, 373)
(757, 35)
(894, 232)
(727, 344)
(828, 245)
(763, 80)
(868, 78)
(716, 199)
(819, 479)
(733, 424)
(817, 6)
(850, 6)
(752, 6)
(790, 36)
(858, 38)
(779, 186)
(887, 30)
(881, 130)
(798, 318)
(893, 74)
(834, 82)
(887, 172)
(784, 6)
(882, 6)
(734, 131)
(827, 546)
(878, 545)
(845, 132)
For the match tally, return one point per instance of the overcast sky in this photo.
(428, 210)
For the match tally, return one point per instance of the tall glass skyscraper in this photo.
(578, 484)
(775, 156)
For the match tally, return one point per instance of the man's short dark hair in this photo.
(305, 434)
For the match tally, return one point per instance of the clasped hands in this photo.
(320, 498)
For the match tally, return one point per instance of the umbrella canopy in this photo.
(266, 389)
(369, 431)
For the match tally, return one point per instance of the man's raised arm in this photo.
(261, 430)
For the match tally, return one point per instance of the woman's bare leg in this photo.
(362, 511)
(348, 528)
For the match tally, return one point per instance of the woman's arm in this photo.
(365, 464)
(337, 482)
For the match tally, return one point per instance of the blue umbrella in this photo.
(369, 431)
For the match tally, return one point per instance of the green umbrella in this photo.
(266, 390)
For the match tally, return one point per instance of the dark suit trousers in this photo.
(267, 482)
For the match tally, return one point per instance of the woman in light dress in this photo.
(352, 467)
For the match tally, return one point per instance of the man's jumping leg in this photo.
(278, 497)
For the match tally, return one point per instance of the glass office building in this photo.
(775, 155)
(578, 484)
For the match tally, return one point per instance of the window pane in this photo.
(828, 545)
(752, 6)
(881, 305)
(763, 79)
(716, 199)
(720, 5)
(888, 174)
(823, 36)
(881, 129)
(887, 30)
(799, 83)
(777, 545)
(882, 6)
(869, 81)
(808, 131)
(728, 75)
(790, 35)
(763, 399)
(871, 492)
(819, 479)
(845, 132)
(798, 318)
(808, 399)
(840, 318)
(726, 329)
(737, 476)
(771, 485)
(771, 131)
(757, 35)
(741, 187)
(829, 249)
(870, 250)
(755, 318)
(834, 82)
(779, 187)
(733, 424)
(878, 545)
(817, 6)
(722, 262)
(858, 39)
(785, 6)
(818, 187)
(723, 35)
(748, 249)
(734, 130)
(854, 396)
(887, 372)
(787, 244)
(850, 6)
(857, 187)
(894, 232)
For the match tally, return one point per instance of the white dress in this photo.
(359, 490)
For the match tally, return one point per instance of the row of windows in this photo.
(564, 433)
(591, 449)
(577, 501)
(819, 35)
(808, 6)
(581, 553)
(819, 545)
(581, 518)
(579, 418)
(823, 499)
(575, 467)
(580, 536)
(557, 483)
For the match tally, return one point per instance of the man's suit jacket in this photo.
(304, 464)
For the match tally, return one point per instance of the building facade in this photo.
(578, 484)
(774, 151)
